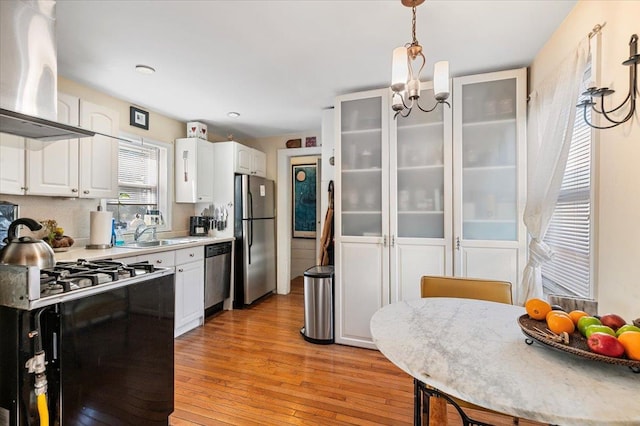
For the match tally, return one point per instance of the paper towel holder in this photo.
(100, 246)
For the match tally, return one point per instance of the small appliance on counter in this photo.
(199, 226)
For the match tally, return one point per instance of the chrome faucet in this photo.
(141, 229)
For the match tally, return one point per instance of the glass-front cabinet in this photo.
(420, 195)
(362, 213)
(489, 175)
(361, 165)
(438, 193)
(420, 172)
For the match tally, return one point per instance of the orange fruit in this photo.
(537, 308)
(631, 342)
(556, 312)
(576, 315)
(560, 323)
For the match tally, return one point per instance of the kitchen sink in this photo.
(149, 244)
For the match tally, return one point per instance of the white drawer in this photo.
(190, 254)
(163, 259)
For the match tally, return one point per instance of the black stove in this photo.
(93, 339)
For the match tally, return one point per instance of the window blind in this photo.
(138, 173)
(569, 233)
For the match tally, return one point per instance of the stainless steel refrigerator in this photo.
(255, 256)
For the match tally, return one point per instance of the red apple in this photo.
(605, 344)
(612, 320)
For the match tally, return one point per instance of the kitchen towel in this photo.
(100, 228)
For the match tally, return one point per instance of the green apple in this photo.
(598, 328)
(627, 327)
(585, 322)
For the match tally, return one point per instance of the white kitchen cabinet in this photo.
(189, 289)
(395, 217)
(54, 169)
(98, 154)
(193, 170)
(249, 161)
(189, 283)
(490, 175)
(85, 168)
(362, 214)
(163, 259)
(12, 164)
(438, 193)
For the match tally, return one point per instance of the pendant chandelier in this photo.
(408, 62)
(601, 92)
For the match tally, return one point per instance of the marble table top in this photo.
(475, 350)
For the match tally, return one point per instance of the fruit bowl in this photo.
(577, 344)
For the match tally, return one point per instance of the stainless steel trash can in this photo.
(318, 305)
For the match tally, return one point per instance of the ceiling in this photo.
(279, 63)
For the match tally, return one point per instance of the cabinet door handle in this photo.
(85, 191)
(74, 190)
(191, 254)
(393, 241)
(457, 243)
(159, 261)
(180, 270)
(24, 188)
(384, 241)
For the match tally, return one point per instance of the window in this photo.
(143, 170)
(569, 233)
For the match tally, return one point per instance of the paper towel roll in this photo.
(100, 228)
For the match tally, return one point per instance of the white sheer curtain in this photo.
(552, 109)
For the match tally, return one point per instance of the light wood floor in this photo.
(252, 367)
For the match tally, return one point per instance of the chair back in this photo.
(466, 288)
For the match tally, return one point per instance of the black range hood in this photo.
(31, 127)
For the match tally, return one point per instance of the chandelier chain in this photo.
(413, 27)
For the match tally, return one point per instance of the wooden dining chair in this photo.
(465, 288)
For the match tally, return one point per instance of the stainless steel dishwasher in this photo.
(217, 276)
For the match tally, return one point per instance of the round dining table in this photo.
(475, 350)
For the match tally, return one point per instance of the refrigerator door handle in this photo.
(250, 239)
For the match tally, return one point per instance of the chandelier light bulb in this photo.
(399, 69)
(441, 80)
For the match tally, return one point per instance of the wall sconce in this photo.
(601, 92)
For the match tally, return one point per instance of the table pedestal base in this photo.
(421, 396)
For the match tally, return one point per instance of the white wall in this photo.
(617, 151)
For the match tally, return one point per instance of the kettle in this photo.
(26, 251)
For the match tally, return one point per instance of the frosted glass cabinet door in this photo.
(420, 170)
(489, 161)
(361, 167)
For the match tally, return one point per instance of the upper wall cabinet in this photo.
(86, 168)
(249, 161)
(194, 170)
(12, 152)
(54, 169)
(99, 154)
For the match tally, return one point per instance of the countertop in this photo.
(81, 252)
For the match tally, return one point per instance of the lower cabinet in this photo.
(189, 289)
(189, 283)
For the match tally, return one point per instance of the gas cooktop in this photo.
(26, 287)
